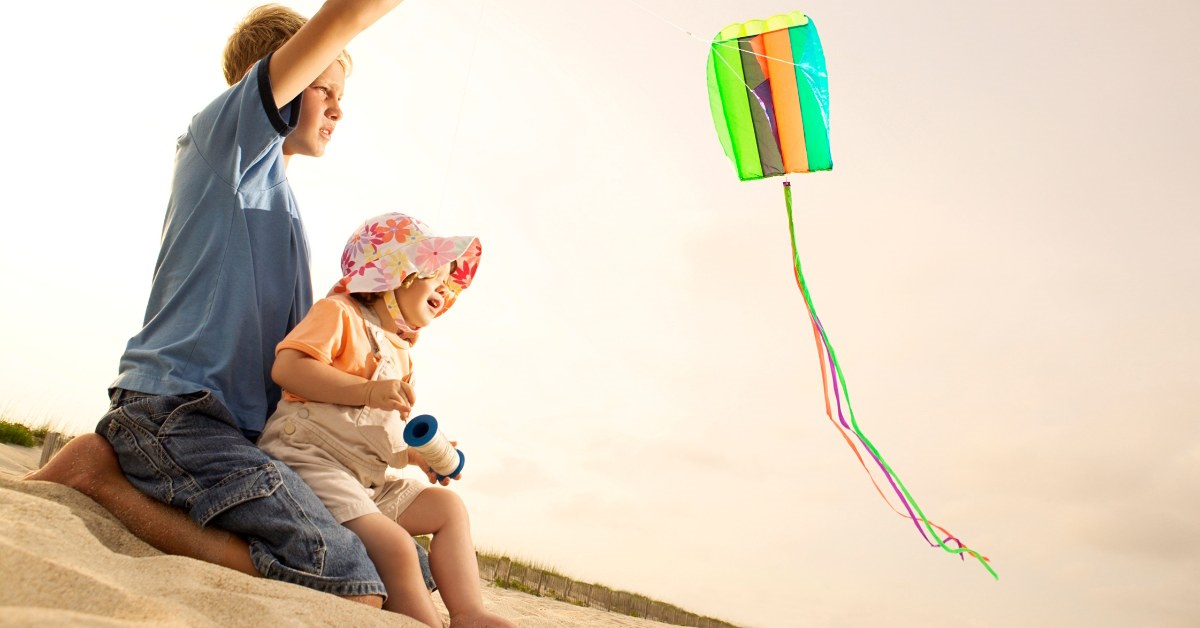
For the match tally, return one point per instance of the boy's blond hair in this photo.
(261, 32)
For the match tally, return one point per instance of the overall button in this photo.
(303, 413)
(289, 428)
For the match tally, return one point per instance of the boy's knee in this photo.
(91, 451)
(292, 536)
(87, 464)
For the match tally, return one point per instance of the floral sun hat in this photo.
(387, 248)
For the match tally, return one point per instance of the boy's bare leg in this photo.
(89, 465)
(451, 555)
(395, 558)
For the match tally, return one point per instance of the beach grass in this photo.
(18, 433)
(535, 578)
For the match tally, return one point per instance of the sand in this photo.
(64, 560)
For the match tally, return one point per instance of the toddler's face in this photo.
(424, 298)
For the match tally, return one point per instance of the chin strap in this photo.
(402, 328)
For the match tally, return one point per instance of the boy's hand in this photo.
(390, 394)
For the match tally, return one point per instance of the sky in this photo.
(1003, 257)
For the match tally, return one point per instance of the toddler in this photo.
(347, 379)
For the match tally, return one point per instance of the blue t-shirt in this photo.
(232, 276)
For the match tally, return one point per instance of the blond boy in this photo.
(174, 458)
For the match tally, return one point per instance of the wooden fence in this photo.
(50, 446)
(505, 572)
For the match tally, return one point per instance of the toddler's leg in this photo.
(451, 555)
(395, 557)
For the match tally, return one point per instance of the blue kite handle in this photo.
(420, 430)
(420, 433)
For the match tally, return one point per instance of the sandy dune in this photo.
(66, 561)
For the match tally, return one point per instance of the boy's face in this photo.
(319, 114)
(424, 298)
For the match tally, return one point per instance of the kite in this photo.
(769, 94)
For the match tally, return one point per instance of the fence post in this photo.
(487, 567)
(533, 579)
(503, 568)
(516, 573)
(622, 602)
(579, 592)
(600, 596)
(50, 446)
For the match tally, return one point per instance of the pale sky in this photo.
(1004, 257)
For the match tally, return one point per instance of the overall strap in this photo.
(373, 326)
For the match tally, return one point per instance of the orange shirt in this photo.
(335, 333)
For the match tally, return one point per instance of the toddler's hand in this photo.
(390, 394)
(433, 475)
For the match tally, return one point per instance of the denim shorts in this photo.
(187, 451)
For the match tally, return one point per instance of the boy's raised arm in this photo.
(317, 44)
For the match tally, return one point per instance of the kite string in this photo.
(837, 376)
(462, 97)
(663, 19)
(703, 41)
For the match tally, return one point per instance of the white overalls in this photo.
(343, 452)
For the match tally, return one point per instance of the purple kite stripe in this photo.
(765, 100)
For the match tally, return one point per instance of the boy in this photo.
(232, 278)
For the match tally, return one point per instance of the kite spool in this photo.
(421, 433)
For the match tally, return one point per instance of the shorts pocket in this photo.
(236, 488)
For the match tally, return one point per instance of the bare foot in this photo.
(482, 620)
(84, 464)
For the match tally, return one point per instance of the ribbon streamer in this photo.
(832, 378)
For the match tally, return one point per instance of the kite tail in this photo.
(833, 377)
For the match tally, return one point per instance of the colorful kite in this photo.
(769, 94)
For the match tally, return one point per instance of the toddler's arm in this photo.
(314, 380)
(319, 42)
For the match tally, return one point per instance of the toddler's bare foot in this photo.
(483, 619)
(84, 464)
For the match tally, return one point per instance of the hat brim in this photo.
(387, 266)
